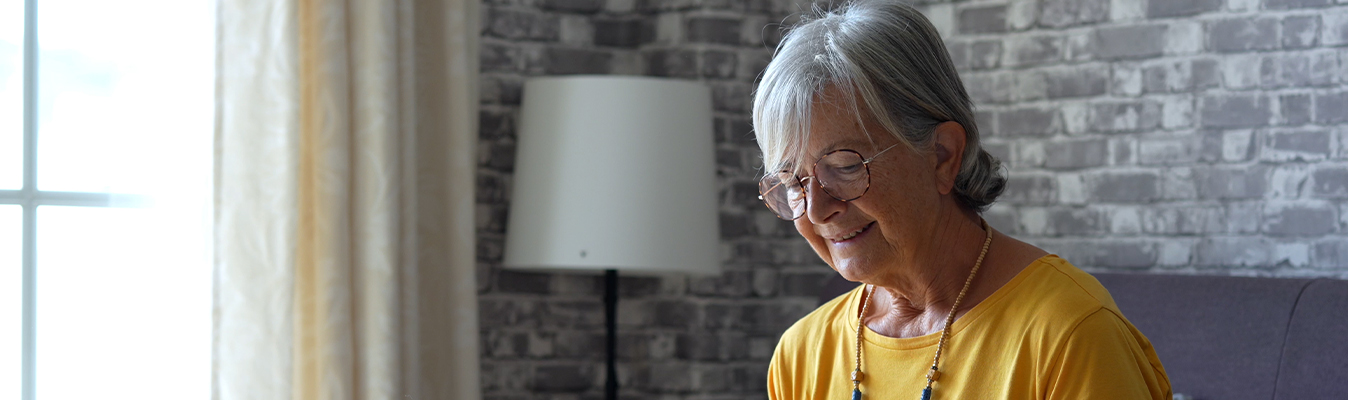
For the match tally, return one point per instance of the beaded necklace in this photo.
(935, 373)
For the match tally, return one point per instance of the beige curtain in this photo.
(345, 148)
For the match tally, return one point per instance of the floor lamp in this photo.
(614, 173)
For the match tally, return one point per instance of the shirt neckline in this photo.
(871, 337)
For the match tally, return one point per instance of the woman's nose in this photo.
(819, 205)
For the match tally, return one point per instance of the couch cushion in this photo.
(1315, 359)
(1218, 337)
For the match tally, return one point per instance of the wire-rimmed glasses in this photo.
(843, 174)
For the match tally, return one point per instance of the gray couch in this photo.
(1233, 338)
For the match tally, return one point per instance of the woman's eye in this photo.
(847, 169)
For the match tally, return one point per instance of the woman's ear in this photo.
(948, 144)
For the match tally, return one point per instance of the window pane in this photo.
(123, 303)
(123, 87)
(11, 301)
(11, 95)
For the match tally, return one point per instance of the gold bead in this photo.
(857, 375)
(934, 375)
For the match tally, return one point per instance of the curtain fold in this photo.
(345, 148)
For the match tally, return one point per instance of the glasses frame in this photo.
(865, 162)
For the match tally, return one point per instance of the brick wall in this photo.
(1184, 136)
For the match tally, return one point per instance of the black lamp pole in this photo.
(611, 329)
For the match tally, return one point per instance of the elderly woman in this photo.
(870, 146)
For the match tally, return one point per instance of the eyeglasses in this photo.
(843, 174)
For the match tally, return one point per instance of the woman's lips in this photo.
(864, 230)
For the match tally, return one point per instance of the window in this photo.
(106, 128)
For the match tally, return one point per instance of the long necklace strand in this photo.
(935, 373)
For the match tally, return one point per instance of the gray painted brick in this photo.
(730, 283)
(1239, 35)
(959, 53)
(1033, 50)
(499, 57)
(499, 155)
(1206, 73)
(1076, 154)
(1295, 108)
(714, 30)
(985, 54)
(1080, 81)
(1181, 150)
(523, 25)
(1300, 31)
(579, 314)
(1332, 253)
(1299, 145)
(1034, 189)
(1244, 217)
(1232, 182)
(1299, 220)
(1029, 121)
(1184, 220)
(1181, 8)
(564, 61)
(985, 88)
(1286, 4)
(1177, 183)
(1235, 252)
(496, 89)
(1330, 182)
(1076, 222)
(1302, 70)
(730, 96)
(1130, 42)
(735, 226)
(1110, 253)
(492, 187)
(578, 6)
(563, 378)
(672, 63)
(983, 19)
(719, 64)
(1125, 116)
(622, 32)
(1331, 108)
(1125, 187)
(1334, 30)
(1234, 111)
(1063, 13)
(495, 124)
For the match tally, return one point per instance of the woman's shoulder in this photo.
(1055, 291)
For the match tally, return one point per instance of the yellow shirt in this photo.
(1052, 332)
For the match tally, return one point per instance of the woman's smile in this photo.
(846, 238)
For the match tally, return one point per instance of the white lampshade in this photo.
(614, 173)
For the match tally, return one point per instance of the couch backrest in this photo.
(1315, 358)
(1218, 337)
(1234, 338)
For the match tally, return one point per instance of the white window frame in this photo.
(29, 198)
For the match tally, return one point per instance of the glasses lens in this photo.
(843, 175)
(783, 194)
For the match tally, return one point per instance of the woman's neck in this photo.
(916, 298)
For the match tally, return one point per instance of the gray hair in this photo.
(888, 55)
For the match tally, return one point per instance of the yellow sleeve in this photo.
(1103, 358)
(775, 381)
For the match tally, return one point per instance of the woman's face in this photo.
(895, 217)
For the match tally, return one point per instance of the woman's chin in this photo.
(852, 269)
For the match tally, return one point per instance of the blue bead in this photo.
(856, 394)
(926, 394)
